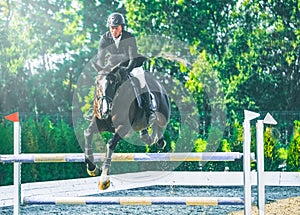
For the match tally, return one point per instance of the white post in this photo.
(247, 160)
(260, 166)
(247, 176)
(17, 166)
(260, 160)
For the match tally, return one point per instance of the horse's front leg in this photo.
(104, 182)
(92, 169)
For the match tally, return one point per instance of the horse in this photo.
(126, 116)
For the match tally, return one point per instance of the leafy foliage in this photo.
(293, 159)
(273, 150)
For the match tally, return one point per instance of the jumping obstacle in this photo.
(18, 158)
(124, 157)
(167, 200)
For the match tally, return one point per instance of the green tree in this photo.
(273, 151)
(293, 157)
(6, 142)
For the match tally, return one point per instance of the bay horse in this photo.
(126, 116)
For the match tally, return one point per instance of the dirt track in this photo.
(290, 206)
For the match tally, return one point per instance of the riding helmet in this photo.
(115, 19)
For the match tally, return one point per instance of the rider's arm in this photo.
(102, 54)
(132, 53)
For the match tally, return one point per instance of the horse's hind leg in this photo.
(92, 169)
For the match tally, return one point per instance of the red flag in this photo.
(13, 117)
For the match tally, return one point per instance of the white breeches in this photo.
(139, 73)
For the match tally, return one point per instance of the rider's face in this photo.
(115, 31)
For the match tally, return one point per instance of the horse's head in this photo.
(106, 85)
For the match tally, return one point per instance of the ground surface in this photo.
(290, 206)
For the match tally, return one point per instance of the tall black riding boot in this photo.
(149, 110)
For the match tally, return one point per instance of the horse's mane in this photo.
(98, 85)
(98, 94)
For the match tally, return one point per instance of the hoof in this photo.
(94, 172)
(161, 143)
(104, 183)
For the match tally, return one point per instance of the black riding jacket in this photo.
(109, 55)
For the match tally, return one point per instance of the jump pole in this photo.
(17, 166)
(124, 157)
(248, 116)
(142, 200)
(260, 160)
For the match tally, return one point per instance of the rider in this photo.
(118, 47)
